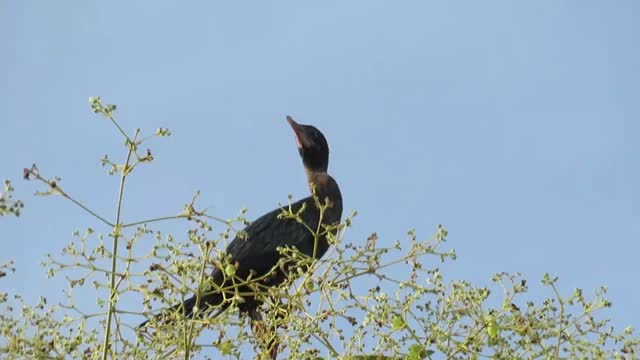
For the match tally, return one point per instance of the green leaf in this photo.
(398, 323)
(493, 329)
(225, 348)
(418, 352)
(230, 270)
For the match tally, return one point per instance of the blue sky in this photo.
(514, 124)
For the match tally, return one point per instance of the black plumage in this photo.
(255, 253)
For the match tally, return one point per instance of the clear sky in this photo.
(514, 124)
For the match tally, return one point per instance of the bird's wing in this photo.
(258, 250)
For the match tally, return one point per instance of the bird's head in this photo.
(312, 146)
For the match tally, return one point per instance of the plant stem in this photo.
(154, 220)
(59, 190)
(560, 322)
(116, 236)
(206, 252)
(130, 143)
(64, 194)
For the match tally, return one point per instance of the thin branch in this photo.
(164, 218)
(116, 237)
(56, 187)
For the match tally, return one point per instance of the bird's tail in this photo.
(207, 303)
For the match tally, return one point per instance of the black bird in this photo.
(256, 253)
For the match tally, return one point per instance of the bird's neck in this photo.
(326, 188)
(318, 180)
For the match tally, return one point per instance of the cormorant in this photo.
(255, 253)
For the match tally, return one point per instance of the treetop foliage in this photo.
(361, 301)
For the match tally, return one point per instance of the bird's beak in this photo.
(301, 139)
